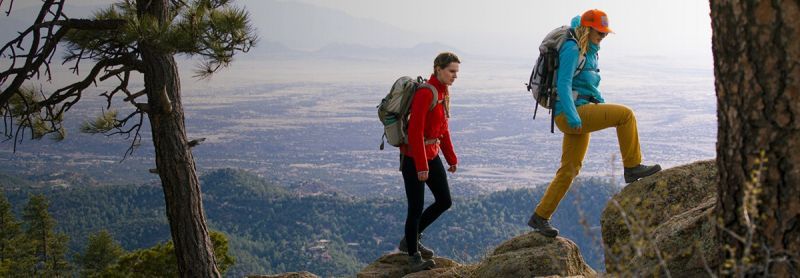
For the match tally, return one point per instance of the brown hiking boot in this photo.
(640, 171)
(542, 226)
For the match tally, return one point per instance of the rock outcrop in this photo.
(662, 224)
(303, 274)
(396, 265)
(527, 255)
(533, 255)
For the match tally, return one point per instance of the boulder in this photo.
(527, 255)
(396, 265)
(534, 255)
(661, 224)
(303, 274)
(450, 272)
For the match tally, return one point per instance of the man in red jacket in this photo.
(428, 132)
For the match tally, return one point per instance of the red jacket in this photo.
(424, 125)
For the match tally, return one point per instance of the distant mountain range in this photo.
(350, 51)
(291, 29)
(309, 27)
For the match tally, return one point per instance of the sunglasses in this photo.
(602, 35)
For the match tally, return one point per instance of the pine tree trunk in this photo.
(756, 47)
(174, 159)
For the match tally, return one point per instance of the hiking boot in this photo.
(417, 263)
(426, 252)
(640, 171)
(542, 226)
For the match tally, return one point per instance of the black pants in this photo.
(417, 220)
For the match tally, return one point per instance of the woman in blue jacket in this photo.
(581, 110)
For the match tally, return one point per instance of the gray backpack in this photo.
(393, 111)
(542, 83)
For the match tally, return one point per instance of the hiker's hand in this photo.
(422, 176)
(452, 169)
(578, 128)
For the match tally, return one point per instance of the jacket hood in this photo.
(576, 21)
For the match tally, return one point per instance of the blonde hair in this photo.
(582, 35)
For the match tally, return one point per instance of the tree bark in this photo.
(174, 160)
(756, 47)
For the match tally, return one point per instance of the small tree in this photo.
(160, 260)
(101, 252)
(9, 236)
(48, 247)
(131, 39)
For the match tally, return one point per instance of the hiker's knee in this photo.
(414, 211)
(627, 113)
(570, 170)
(574, 172)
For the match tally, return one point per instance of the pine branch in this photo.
(214, 31)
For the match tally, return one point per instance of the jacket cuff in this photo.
(421, 166)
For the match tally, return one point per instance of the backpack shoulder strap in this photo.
(581, 58)
(435, 98)
(571, 34)
(581, 65)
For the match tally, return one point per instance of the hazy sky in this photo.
(679, 26)
(515, 27)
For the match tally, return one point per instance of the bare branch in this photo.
(91, 24)
(132, 130)
(36, 57)
(123, 86)
(78, 24)
(144, 107)
(134, 96)
(75, 89)
(115, 72)
(10, 6)
(195, 142)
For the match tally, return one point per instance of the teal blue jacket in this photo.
(585, 83)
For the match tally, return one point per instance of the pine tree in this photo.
(132, 39)
(160, 260)
(9, 236)
(47, 247)
(101, 253)
(57, 265)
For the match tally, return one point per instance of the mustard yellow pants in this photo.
(594, 117)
